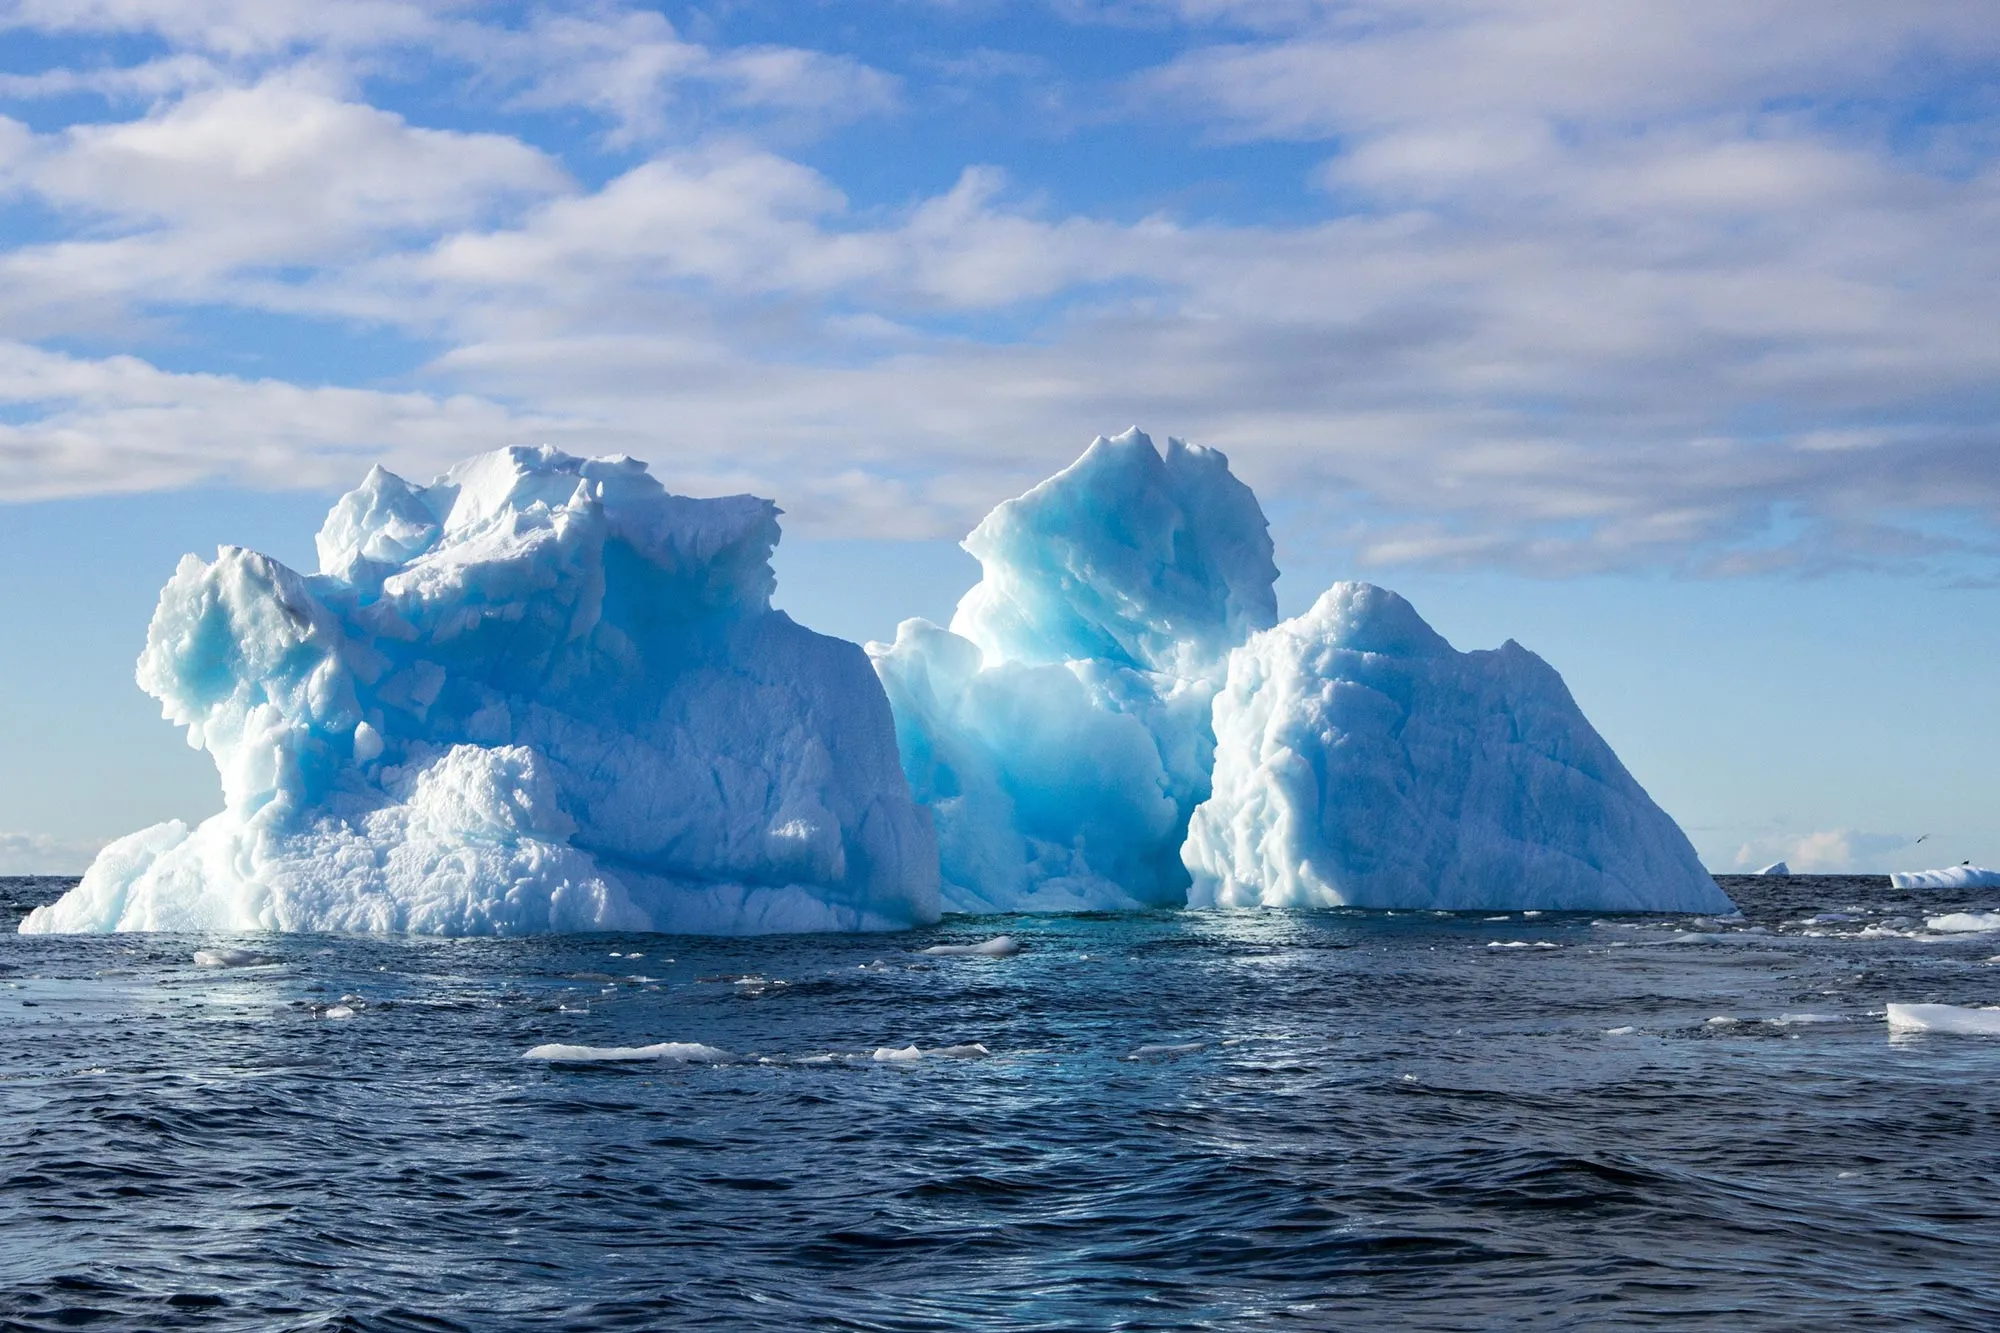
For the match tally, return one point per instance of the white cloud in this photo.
(1830, 852)
(42, 854)
(1578, 297)
(632, 67)
(120, 424)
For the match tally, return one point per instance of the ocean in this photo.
(1205, 1120)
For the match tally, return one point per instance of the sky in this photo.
(1664, 339)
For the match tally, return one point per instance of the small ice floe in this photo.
(1951, 877)
(971, 1050)
(886, 1054)
(1167, 1050)
(675, 1052)
(1944, 1018)
(1000, 946)
(1521, 944)
(335, 1011)
(1625, 1031)
(1723, 1021)
(1963, 923)
(230, 958)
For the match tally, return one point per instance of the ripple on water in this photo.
(1194, 1120)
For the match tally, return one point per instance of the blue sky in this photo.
(1659, 337)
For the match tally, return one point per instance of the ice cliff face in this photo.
(1362, 761)
(539, 694)
(1059, 730)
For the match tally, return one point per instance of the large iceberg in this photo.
(1362, 761)
(1966, 876)
(540, 694)
(1059, 730)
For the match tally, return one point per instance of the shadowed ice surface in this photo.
(1185, 1120)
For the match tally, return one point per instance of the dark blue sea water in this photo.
(1377, 1121)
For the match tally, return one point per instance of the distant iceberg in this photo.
(540, 694)
(1776, 868)
(1951, 877)
(1059, 730)
(1362, 761)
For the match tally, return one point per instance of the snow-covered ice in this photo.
(1059, 730)
(1000, 946)
(1362, 761)
(1951, 877)
(1963, 923)
(1944, 1018)
(673, 1052)
(540, 694)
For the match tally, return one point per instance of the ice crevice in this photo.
(542, 693)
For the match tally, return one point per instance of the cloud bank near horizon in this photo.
(1548, 285)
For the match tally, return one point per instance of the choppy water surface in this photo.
(1351, 1120)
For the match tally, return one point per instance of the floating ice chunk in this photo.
(1000, 946)
(1951, 1018)
(540, 694)
(1624, 1031)
(337, 1011)
(888, 1054)
(1521, 944)
(1951, 877)
(679, 1052)
(1167, 1050)
(1963, 923)
(967, 1051)
(230, 958)
(1060, 730)
(1776, 868)
(1361, 761)
(1723, 1021)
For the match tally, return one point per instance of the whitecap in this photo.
(680, 1052)
(1625, 1031)
(1944, 1018)
(1792, 1020)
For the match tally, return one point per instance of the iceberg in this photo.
(1059, 731)
(1776, 868)
(1951, 877)
(540, 694)
(1951, 1018)
(1362, 761)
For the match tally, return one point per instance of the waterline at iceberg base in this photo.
(542, 694)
